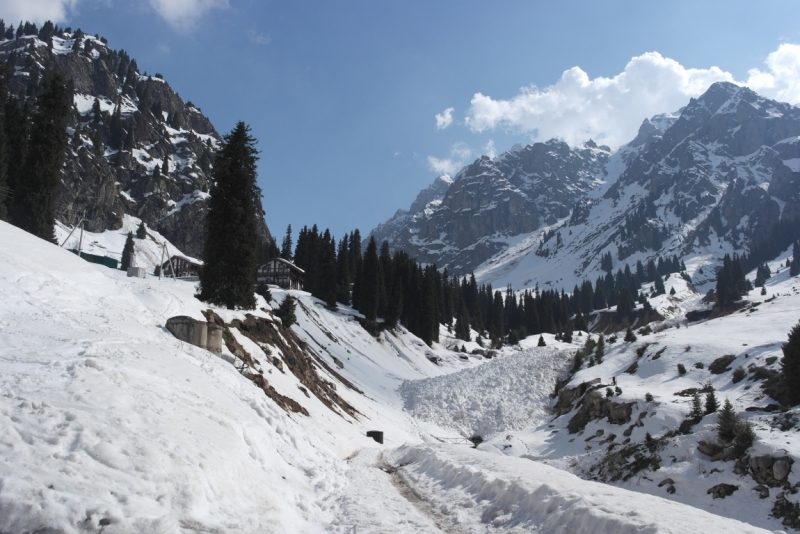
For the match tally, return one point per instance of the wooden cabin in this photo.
(281, 273)
(184, 267)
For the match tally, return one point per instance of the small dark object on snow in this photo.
(720, 491)
(377, 435)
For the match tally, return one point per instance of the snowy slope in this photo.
(109, 423)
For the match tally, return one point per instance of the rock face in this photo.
(495, 199)
(595, 406)
(711, 179)
(124, 127)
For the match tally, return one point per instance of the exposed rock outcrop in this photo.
(126, 129)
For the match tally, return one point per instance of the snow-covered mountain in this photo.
(135, 146)
(713, 178)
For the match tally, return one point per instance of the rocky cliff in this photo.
(135, 146)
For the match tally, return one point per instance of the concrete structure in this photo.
(138, 272)
(198, 333)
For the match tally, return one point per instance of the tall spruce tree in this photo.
(726, 422)
(127, 253)
(286, 245)
(462, 323)
(228, 274)
(790, 365)
(36, 189)
(343, 272)
(4, 189)
(371, 281)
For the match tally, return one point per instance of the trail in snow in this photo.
(481, 492)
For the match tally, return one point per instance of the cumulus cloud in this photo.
(36, 10)
(182, 14)
(608, 110)
(444, 119)
(460, 154)
(781, 80)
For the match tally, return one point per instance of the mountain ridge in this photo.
(135, 147)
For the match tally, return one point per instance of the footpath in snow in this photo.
(480, 492)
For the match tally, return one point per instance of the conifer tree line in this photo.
(731, 281)
(33, 143)
(398, 289)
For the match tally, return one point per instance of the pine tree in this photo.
(712, 405)
(285, 311)
(568, 329)
(541, 342)
(36, 190)
(141, 232)
(630, 337)
(726, 422)
(790, 365)
(286, 245)
(3, 147)
(165, 166)
(625, 305)
(228, 274)
(395, 307)
(371, 280)
(794, 269)
(343, 272)
(462, 323)
(600, 349)
(659, 285)
(325, 286)
(115, 129)
(127, 252)
(697, 408)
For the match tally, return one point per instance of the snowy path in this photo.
(481, 492)
(373, 502)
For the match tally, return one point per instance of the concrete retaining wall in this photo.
(198, 333)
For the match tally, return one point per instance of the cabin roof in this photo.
(286, 262)
(192, 261)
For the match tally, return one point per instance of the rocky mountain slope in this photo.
(135, 146)
(713, 178)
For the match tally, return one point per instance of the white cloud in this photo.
(460, 155)
(444, 119)
(489, 149)
(36, 10)
(182, 14)
(258, 37)
(782, 79)
(609, 110)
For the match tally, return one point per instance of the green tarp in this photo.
(102, 260)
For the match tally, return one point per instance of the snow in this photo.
(107, 422)
(516, 495)
(510, 393)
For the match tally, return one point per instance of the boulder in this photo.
(709, 449)
(720, 491)
(780, 469)
(596, 406)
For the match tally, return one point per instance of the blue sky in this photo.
(343, 97)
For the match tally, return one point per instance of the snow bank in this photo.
(504, 394)
(478, 491)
